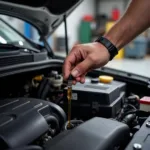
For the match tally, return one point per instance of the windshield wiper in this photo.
(13, 47)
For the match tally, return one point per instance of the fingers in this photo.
(74, 58)
(68, 66)
(79, 79)
(82, 68)
(66, 69)
(82, 79)
(84, 58)
(74, 82)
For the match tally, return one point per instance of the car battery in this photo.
(96, 99)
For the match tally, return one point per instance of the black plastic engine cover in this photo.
(95, 134)
(142, 137)
(22, 120)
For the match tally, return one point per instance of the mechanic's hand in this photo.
(84, 58)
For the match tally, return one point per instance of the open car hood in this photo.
(45, 15)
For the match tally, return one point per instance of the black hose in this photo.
(129, 119)
(41, 87)
(130, 112)
(54, 121)
(30, 147)
(132, 106)
(45, 91)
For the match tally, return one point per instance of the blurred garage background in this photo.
(91, 19)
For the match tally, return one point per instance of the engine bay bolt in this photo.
(137, 146)
(148, 124)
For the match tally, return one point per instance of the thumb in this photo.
(82, 68)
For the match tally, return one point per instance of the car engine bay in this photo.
(104, 116)
(34, 108)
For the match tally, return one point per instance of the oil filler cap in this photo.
(106, 79)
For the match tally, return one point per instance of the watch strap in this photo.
(113, 51)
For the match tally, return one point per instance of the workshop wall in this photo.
(73, 21)
(106, 6)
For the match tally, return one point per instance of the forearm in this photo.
(135, 20)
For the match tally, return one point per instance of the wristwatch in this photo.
(113, 51)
